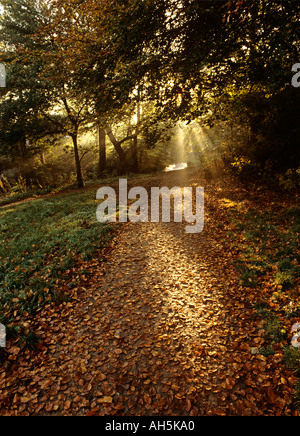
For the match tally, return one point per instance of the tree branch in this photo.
(57, 123)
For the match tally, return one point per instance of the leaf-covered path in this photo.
(163, 328)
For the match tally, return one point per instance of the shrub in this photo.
(290, 180)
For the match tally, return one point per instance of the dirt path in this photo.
(164, 329)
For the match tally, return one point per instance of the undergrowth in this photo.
(269, 264)
(43, 244)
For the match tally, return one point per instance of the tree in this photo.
(102, 151)
(232, 60)
(108, 63)
(90, 63)
(260, 95)
(34, 54)
(20, 122)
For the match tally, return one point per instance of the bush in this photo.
(290, 180)
(244, 167)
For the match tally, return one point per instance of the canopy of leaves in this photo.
(218, 60)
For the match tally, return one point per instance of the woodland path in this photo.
(163, 328)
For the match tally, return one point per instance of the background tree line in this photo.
(98, 88)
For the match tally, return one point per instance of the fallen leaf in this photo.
(105, 400)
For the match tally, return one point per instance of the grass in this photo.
(267, 351)
(269, 246)
(274, 329)
(292, 359)
(43, 241)
(23, 192)
(30, 340)
(296, 395)
(268, 267)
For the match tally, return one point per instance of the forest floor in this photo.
(171, 323)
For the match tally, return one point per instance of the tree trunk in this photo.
(77, 162)
(118, 148)
(102, 152)
(135, 161)
(23, 146)
(42, 158)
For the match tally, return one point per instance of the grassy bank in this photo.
(267, 236)
(44, 245)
